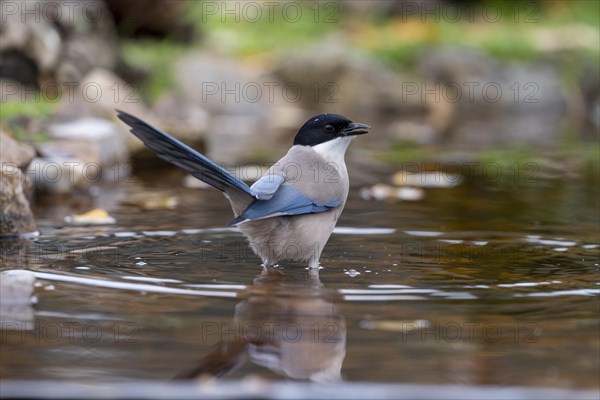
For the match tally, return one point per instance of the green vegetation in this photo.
(509, 30)
(39, 109)
(255, 31)
(157, 56)
(404, 151)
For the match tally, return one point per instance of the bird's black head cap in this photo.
(322, 128)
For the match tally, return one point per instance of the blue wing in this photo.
(286, 201)
(265, 187)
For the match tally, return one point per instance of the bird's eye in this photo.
(329, 128)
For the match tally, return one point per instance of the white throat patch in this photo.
(334, 150)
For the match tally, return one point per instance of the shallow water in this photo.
(479, 284)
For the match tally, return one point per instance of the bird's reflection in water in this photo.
(291, 327)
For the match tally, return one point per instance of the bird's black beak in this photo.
(355, 128)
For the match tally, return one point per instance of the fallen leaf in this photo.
(96, 216)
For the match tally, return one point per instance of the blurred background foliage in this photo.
(369, 50)
(524, 30)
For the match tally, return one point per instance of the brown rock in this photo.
(183, 119)
(15, 214)
(15, 153)
(156, 18)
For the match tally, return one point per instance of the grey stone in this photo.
(181, 118)
(89, 139)
(16, 299)
(65, 40)
(17, 287)
(234, 138)
(97, 94)
(245, 124)
(87, 50)
(107, 93)
(35, 37)
(221, 86)
(60, 175)
(412, 131)
(475, 101)
(345, 81)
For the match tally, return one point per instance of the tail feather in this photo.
(183, 156)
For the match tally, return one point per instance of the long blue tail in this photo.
(172, 150)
